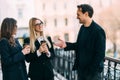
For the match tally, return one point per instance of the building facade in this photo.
(59, 16)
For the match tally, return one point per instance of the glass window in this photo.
(55, 22)
(65, 5)
(20, 12)
(43, 6)
(45, 22)
(66, 21)
(66, 36)
(54, 6)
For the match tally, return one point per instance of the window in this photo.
(66, 36)
(20, 12)
(54, 6)
(43, 6)
(66, 21)
(55, 22)
(45, 22)
(65, 5)
(55, 38)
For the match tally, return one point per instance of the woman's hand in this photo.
(43, 48)
(26, 49)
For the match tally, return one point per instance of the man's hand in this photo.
(60, 43)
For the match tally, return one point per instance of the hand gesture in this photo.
(60, 43)
(43, 48)
(26, 49)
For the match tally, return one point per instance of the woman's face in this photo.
(14, 31)
(38, 26)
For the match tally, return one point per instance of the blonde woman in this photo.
(42, 52)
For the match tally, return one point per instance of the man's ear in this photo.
(86, 14)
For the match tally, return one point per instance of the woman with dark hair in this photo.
(12, 54)
(42, 52)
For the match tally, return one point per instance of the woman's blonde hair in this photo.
(33, 35)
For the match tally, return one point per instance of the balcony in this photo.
(64, 61)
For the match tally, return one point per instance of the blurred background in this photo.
(59, 17)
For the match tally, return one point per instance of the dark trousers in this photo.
(96, 76)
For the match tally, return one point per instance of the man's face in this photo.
(80, 16)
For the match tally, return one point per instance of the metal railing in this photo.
(111, 69)
(64, 61)
(63, 64)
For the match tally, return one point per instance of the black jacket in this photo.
(40, 68)
(12, 61)
(89, 48)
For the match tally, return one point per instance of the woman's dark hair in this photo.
(86, 8)
(7, 28)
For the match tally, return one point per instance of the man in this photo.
(89, 47)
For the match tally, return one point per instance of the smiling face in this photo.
(81, 16)
(38, 26)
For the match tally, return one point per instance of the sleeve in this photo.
(100, 47)
(70, 46)
(38, 53)
(52, 53)
(31, 57)
(6, 57)
(48, 54)
(26, 41)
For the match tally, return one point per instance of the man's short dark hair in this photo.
(86, 8)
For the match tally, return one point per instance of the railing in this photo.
(111, 69)
(64, 61)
